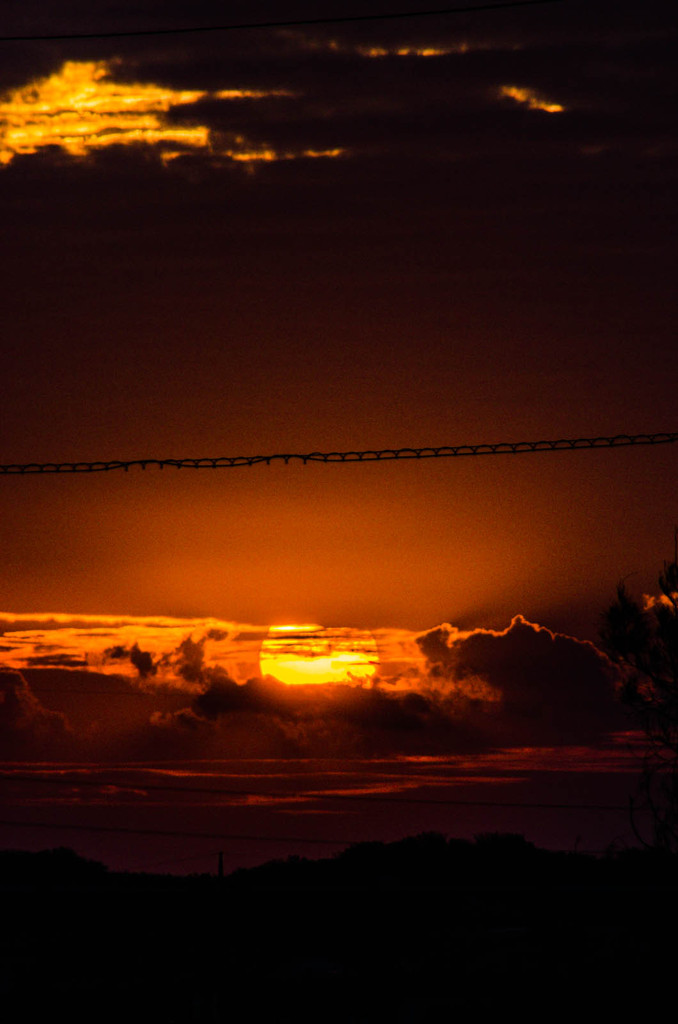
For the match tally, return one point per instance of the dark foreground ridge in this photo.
(426, 860)
(399, 932)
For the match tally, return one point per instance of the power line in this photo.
(246, 837)
(372, 455)
(314, 795)
(290, 23)
(146, 866)
(177, 833)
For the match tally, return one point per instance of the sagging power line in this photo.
(288, 23)
(369, 455)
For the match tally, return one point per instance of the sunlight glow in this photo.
(309, 654)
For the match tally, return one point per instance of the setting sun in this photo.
(308, 654)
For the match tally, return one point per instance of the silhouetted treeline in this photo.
(428, 859)
(60, 866)
(410, 932)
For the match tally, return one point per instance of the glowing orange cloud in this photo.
(312, 43)
(102, 643)
(407, 51)
(244, 650)
(82, 109)
(269, 155)
(530, 99)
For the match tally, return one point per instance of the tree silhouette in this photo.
(643, 640)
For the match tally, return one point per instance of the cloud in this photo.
(530, 99)
(533, 686)
(190, 659)
(296, 104)
(82, 108)
(266, 718)
(182, 691)
(161, 650)
(142, 660)
(55, 661)
(27, 728)
(475, 690)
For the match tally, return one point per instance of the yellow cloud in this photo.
(268, 155)
(82, 109)
(315, 44)
(409, 51)
(530, 99)
(75, 641)
(72, 641)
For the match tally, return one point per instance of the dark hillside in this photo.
(405, 931)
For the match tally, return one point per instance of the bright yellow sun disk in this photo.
(308, 654)
(312, 628)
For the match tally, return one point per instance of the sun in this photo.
(306, 654)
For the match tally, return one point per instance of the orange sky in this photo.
(402, 544)
(214, 688)
(378, 235)
(114, 722)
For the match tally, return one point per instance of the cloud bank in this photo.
(154, 688)
(82, 108)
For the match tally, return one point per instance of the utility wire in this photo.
(290, 23)
(240, 837)
(383, 455)
(313, 794)
(178, 833)
(146, 866)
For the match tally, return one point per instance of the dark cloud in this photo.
(524, 686)
(143, 662)
(56, 661)
(217, 634)
(117, 653)
(263, 717)
(543, 687)
(189, 659)
(27, 728)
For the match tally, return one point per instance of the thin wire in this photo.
(290, 23)
(383, 455)
(177, 833)
(311, 794)
(150, 866)
(180, 834)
